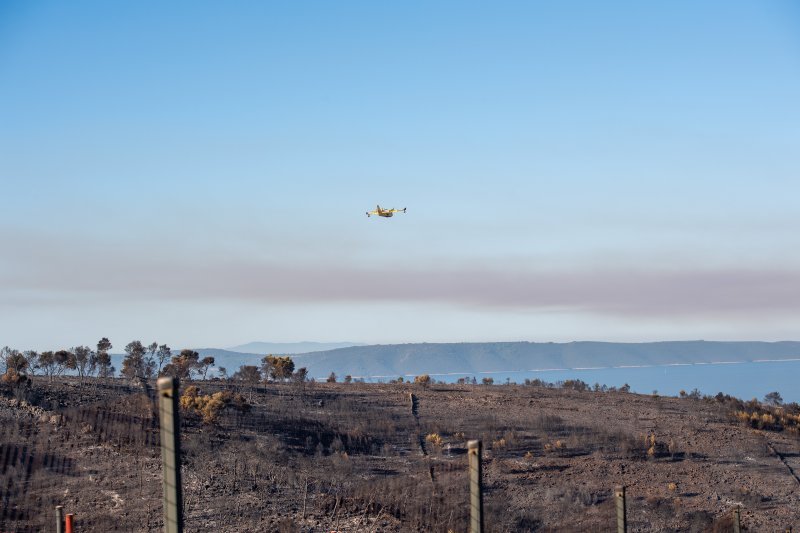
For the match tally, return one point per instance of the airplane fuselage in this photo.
(386, 213)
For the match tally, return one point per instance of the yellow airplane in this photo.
(385, 212)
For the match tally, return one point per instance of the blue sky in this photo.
(197, 173)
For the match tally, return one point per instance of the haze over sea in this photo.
(625, 172)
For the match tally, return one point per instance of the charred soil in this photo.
(392, 457)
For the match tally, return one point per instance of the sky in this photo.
(197, 173)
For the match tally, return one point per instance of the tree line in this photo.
(82, 359)
(141, 362)
(273, 368)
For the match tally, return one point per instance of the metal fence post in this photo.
(171, 454)
(59, 519)
(68, 523)
(737, 520)
(475, 487)
(622, 519)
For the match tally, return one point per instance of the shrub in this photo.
(575, 384)
(188, 397)
(555, 446)
(435, 439)
(764, 419)
(12, 377)
(655, 448)
(210, 407)
(423, 379)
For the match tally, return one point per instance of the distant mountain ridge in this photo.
(467, 359)
(473, 358)
(282, 348)
(253, 352)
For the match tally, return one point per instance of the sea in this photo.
(745, 380)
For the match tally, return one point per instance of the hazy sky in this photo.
(197, 173)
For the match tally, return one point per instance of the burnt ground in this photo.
(355, 457)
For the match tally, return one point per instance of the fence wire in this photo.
(317, 457)
(90, 448)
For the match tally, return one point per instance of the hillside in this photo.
(391, 458)
(471, 358)
(283, 348)
(392, 360)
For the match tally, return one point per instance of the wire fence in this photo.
(283, 457)
(97, 457)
